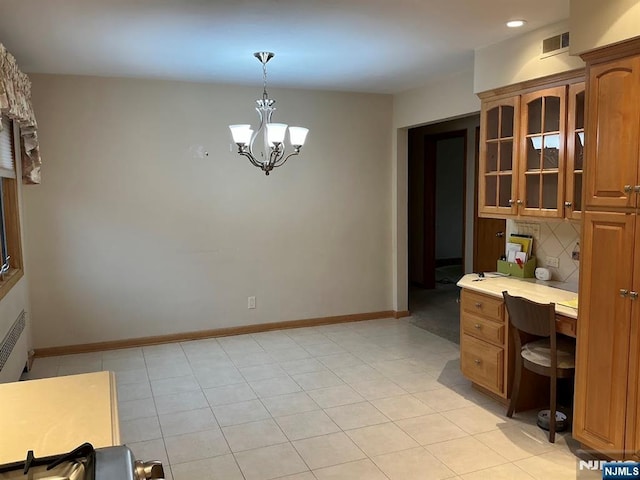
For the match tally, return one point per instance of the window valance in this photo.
(15, 102)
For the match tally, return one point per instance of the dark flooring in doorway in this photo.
(437, 310)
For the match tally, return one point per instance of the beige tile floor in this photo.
(380, 399)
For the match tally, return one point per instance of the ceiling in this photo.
(380, 46)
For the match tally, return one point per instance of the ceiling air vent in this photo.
(555, 45)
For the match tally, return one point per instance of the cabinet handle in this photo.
(478, 305)
(624, 292)
(627, 189)
(568, 204)
(636, 189)
(477, 326)
(511, 202)
(477, 361)
(519, 202)
(633, 295)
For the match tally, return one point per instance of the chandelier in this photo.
(274, 152)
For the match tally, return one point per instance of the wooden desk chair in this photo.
(538, 349)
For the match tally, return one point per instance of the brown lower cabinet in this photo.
(606, 406)
(487, 353)
(632, 426)
(483, 342)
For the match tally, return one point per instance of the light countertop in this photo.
(55, 415)
(528, 288)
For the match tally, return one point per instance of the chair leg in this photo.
(515, 390)
(552, 410)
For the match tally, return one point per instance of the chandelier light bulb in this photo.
(297, 135)
(241, 134)
(276, 133)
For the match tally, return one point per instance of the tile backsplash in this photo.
(553, 239)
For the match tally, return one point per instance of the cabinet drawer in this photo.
(566, 325)
(483, 329)
(482, 304)
(482, 363)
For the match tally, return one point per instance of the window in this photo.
(10, 246)
(5, 258)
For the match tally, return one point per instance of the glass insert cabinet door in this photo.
(498, 157)
(542, 152)
(575, 151)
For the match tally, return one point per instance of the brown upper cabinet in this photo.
(542, 152)
(498, 158)
(613, 149)
(575, 151)
(531, 151)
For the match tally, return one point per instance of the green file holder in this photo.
(512, 268)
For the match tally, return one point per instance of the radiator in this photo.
(13, 351)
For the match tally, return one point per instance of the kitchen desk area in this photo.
(486, 350)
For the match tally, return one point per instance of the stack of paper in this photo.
(519, 247)
(573, 303)
(512, 250)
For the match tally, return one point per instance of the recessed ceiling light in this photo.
(515, 23)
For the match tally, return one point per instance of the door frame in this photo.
(476, 175)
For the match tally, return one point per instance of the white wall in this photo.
(597, 23)
(130, 235)
(518, 59)
(399, 218)
(442, 99)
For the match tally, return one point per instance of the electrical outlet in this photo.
(251, 302)
(553, 262)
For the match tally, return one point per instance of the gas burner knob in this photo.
(149, 470)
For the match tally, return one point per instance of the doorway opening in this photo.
(441, 220)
